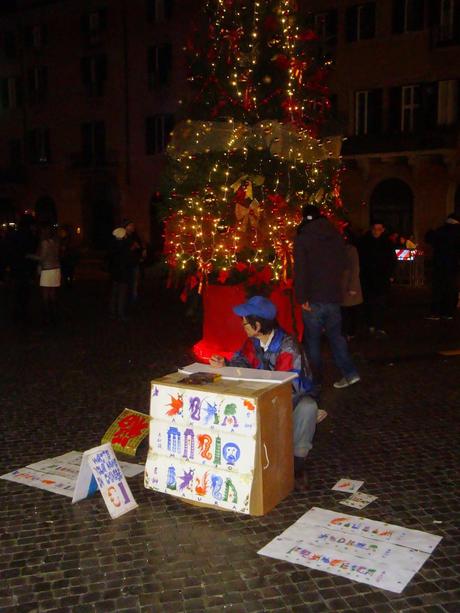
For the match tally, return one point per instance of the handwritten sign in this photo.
(100, 468)
(127, 431)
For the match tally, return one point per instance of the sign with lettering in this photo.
(364, 550)
(100, 468)
(127, 431)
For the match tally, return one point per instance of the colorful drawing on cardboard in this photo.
(202, 446)
(127, 431)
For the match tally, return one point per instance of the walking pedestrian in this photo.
(136, 254)
(352, 292)
(319, 263)
(50, 273)
(377, 260)
(118, 260)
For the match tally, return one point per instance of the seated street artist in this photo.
(268, 347)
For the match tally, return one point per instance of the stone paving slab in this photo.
(62, 387)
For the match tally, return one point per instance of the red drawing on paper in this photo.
(202, 486)
(204, 443)
(249, 405)
(129, 427)
(176, 405)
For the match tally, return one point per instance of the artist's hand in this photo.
(306, 306)
(217, 361)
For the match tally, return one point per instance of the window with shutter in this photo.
(9, 45)
(157, 132)
(159, 64)
(408, 15)
(93, 143)
(159, 11)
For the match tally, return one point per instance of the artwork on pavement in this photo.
(202, 446)
(127, 431)
(363, 550)
(59, 474)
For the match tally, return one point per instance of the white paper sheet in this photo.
(245, 374)
(368, 551)
(359, 500)
(349, 486)
(59, 474)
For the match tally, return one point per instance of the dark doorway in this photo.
(7, 212)
(45, 211)
(392, 201)
(99, 207)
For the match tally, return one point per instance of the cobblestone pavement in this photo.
(396, 430)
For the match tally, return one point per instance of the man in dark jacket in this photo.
(445, 242)
(319, 263)
(377, 260)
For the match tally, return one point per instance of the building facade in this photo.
(395, 90)
(88, 94)
(89, 90)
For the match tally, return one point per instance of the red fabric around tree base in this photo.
(223, 333)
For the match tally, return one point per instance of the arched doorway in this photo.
(45, 211)
(392, 201)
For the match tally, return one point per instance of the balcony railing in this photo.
(103, 160)
(441, 138)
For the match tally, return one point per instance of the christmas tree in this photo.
(249, 155)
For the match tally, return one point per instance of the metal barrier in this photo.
(410, 269)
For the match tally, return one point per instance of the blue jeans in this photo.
(304, 420)
(326, 317)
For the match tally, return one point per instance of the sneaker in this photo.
(447, 317)
(433, 317)
(347, 382)
(381, 333)
(371, 330)
(321, 414)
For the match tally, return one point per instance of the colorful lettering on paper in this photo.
(173, 440)
(171, 480)
(189, 444)
(230, 415)
(216, 486)
(211, 413)
(195, 408)
(201, 487)
(218, 451)
(249, 405)
(176, 405)
(186, 480)
(230, 494)
(231, 453)
(204, 444)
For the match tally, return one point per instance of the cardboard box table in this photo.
(225, 444)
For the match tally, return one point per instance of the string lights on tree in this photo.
(249, 155)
